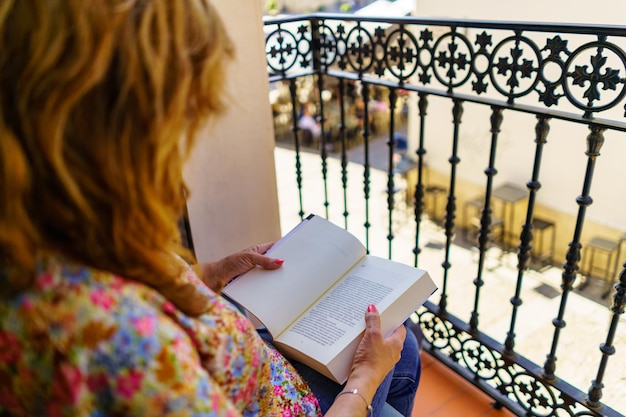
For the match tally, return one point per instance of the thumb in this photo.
(267, 262)
(372, 319)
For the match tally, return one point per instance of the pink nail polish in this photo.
(279, 261)
(371, 308)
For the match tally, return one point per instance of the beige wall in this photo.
(553, 11)
(231, 174)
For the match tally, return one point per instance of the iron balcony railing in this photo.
(566, 72)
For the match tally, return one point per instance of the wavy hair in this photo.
(99, 103)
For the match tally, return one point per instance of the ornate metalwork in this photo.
(507, 381)
(453, 54)
(518, 64)
(283, 49)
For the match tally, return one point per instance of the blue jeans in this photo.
(397, 389)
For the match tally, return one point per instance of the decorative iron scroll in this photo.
(515, 64)
(504, 379)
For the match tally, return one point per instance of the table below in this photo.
(509, 195)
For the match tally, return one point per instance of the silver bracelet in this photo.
(368, 406)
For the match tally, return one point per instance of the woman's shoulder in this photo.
(75, 305)
(92, 337)
(71, 289)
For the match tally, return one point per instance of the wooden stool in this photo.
(473, 222)
(434, 194)
(541, 227)
(602, 245)
(496, 224)
(476, 204)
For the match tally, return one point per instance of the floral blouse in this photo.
(83, 342)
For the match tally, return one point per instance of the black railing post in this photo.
(607, 348)
(344, 154)
(526, 237)
(595, 139)
(457, 112)
(317, 68)
(419, 187)
(365, 94)
(391, 143)
(293, 94)
(484, 231)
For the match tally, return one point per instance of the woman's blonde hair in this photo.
(99, 103)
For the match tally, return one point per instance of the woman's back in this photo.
(86, 342)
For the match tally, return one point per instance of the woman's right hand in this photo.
(374, 359)
(376, 356)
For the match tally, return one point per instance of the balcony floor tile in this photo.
(443, 393)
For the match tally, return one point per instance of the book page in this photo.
(341, 310)
(339, 317)
(316, 253)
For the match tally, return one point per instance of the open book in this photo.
(314, 305)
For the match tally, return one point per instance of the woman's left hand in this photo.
(217, 274)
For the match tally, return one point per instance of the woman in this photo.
(99, 314)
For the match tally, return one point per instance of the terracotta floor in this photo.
(443, 393)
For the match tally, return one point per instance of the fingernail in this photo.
(371, 308)
(279, 261)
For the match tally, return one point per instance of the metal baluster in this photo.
(365, 93)
(317, 66)
(344, 154)
(607, 348)
(419, 187)
(323, 150)
(393, 98)
(526, 237)
(484, 231)
(296, 141)
(457, 112)
(595, 139)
